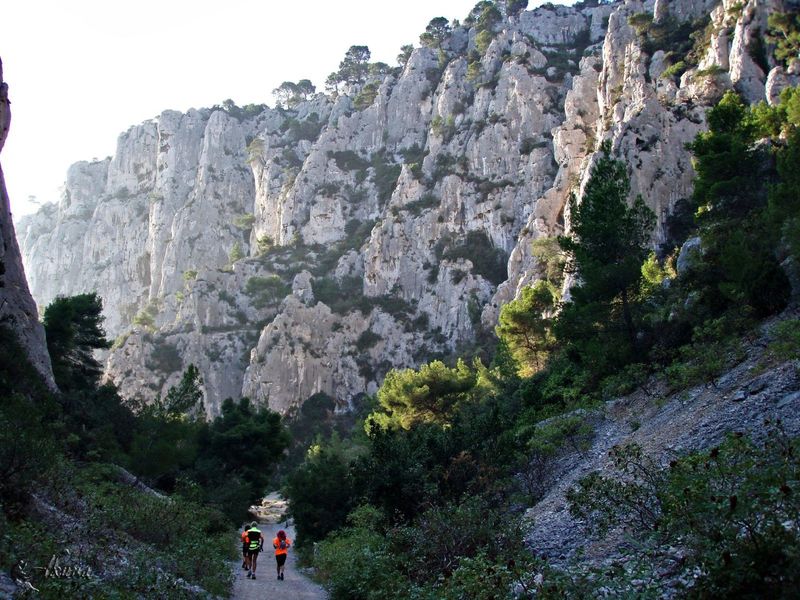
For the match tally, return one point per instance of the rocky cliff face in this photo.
(17, 308)
(290, 251)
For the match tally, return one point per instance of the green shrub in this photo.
(426, 201)
(713, 349)
(236, 253)
(728, 507)
(244, 222)
(366, 96)
(347, 160)
(165, 358)
(487, 261)
(786, 340)
(265, 291)
(367, 340)
(675, 70)
(385, 174)
(146, 317)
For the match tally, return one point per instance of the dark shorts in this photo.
(253, 552)
(281, 558)
(244, 548)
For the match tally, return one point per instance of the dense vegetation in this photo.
(73, 465)
(427, 503)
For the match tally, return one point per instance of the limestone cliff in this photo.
(17, 308)
(313, 247)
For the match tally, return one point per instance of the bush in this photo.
(426, 201)
(366, 96)
(385, 176)
(265, 291)
(728, 507)
(347, 160)
(786, 340)
(165, 358)
(367, 340)
(487, 261)
(320, 493)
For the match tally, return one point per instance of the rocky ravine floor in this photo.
(296, 585)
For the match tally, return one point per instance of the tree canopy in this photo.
(429, 394)
(74, 329)
(435, 33)
(525, 327)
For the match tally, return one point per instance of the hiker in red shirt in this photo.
(281, 544)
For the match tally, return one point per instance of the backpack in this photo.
(282, 545)
(253, 537)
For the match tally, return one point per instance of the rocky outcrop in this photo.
(311, 248)
(17, 308)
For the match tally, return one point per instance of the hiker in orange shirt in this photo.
(245, 557)
(281, 544)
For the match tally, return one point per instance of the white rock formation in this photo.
(367, 230)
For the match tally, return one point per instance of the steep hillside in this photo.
(314, 246)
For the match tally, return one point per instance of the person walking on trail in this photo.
(255, 544)
(245, 556)
(281, 544)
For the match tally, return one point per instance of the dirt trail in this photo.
(295, 585)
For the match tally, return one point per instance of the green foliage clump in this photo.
(236, 253)
(470, 550)
(525, 328)
(367, 340)
(265, 291)
(237, 452)
(165, 358)
(307, 129)
(413, 157)
(436, 32)
(728, 507)
(320, 493)
(347, 160)
(366, 96)
(74, 331)
(244, 222)
(430, 394)
(340, 296)
(549, 255)
(487, 261)
(738, 270)
(786, 340)
(426, 201)
(483, 40)
(607, 246)
(353, 69)
(265, 244)
(385, 174)
(784, 32)
(240, 113)
(290, 94)
(687, 39)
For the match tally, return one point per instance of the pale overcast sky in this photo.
(80, 72)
